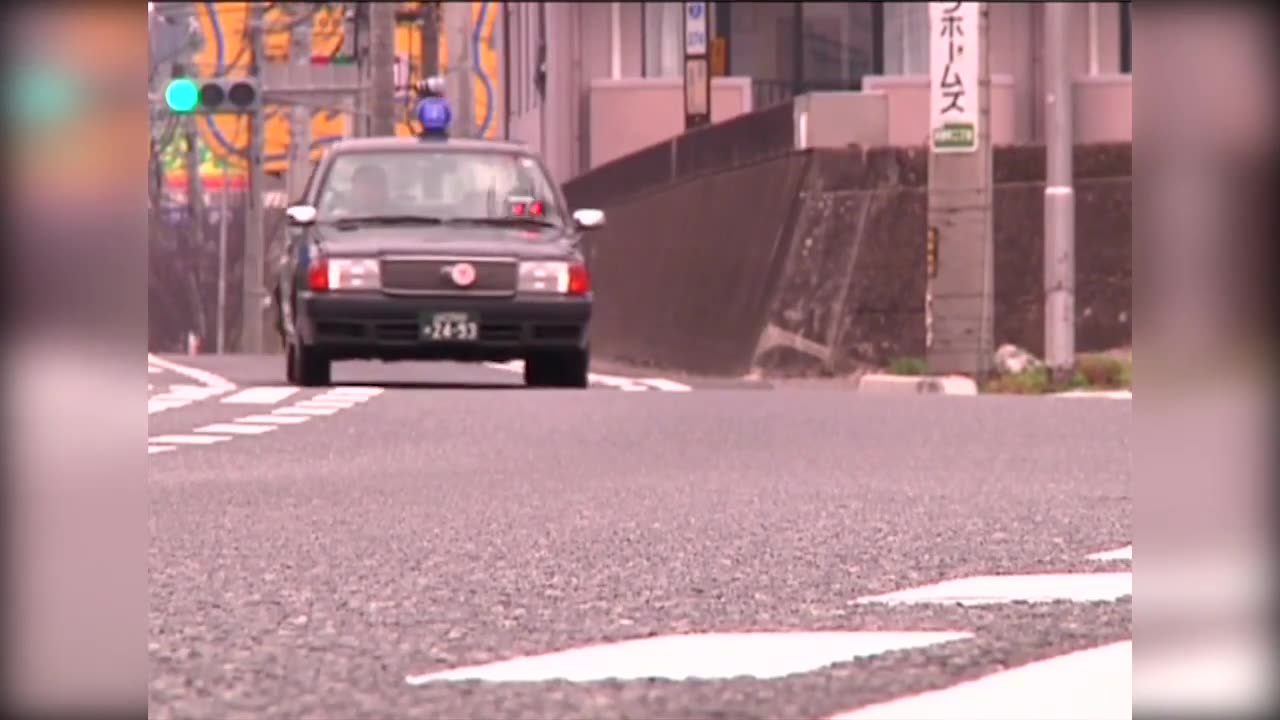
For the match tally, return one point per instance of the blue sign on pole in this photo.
(695, 10)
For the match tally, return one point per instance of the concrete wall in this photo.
(627, 115)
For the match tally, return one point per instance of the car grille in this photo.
(430, 276)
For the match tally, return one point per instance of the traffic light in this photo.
(213, 95)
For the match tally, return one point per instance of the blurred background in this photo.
(87, 212)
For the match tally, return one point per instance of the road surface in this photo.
(378, 548)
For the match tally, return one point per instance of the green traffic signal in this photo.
(181, 95)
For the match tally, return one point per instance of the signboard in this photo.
(697, 70)
(953, 76)
(695, 28)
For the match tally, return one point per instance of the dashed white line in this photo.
(667, 385)
(265, 395)
(236, 429)
(1124, 553)
(153, 449)
(294, 410)
(993, 589)
(276, 419)
(187, 439)
(1094, 684)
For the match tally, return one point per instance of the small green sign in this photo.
(955, 136)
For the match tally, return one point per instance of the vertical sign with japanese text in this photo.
(697, 71)
(953, 76)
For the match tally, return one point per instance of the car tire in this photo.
(306, 367)
(560, 370)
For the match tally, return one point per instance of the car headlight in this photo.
(553, 276)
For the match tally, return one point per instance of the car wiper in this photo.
(348, 222)
(502, 221)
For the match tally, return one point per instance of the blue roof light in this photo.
(434, 115)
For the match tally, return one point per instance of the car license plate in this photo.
(450, 327)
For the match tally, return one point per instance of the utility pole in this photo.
(254, 290)
(961, 289)
(224, 212)
(382, 61)
(1059, 199)
(459, 85)
(430, 61)
(300, 115)
(195, 201)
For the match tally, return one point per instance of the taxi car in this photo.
(430, 248)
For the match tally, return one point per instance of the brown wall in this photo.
(813, 261)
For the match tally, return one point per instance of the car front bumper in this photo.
(352, 325)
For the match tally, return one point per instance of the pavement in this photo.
(435, 540)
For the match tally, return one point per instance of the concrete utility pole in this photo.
(252, 338)
(459, 86)
(195, 201)
(1059, 199)
(300, 115)
(961, 290)
(382, 60)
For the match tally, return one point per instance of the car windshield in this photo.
(447, 185)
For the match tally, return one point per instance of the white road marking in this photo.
(305, 411)
(317, 403)
(697, 656)
(342, 397)
(1124, 553)
(992, 589)
(668, 385)
(153, 449)
(204, 377)
(619, 382)
(236, 429)
(1092, 684)
(188, 439)
(278, 419)
(265, 395)
(1101, 394)
(153, 370)
(355, 390)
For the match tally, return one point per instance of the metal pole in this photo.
(195, 201)
(223, 221)
(615, 40)
(382, 62)
(1059, 198)
(254, 291)
(1093, 39)
(457, 18)
(300, 116)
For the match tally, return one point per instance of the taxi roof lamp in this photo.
(434, 115)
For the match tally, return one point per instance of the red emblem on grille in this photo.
(463, 274)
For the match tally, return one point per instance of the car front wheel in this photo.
(305, 366)
(561, 369)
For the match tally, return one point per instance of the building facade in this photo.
(582, 76)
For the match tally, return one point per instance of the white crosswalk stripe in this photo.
(308, 408)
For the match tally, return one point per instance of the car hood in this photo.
(526, 243)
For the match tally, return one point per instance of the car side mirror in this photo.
(588, 219)
(301, 214)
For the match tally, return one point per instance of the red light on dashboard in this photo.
(318, 274)
(579, 280)
(535, 208)
(517, 208)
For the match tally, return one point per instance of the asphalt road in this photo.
(455, 518)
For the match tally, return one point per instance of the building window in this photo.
(1126, 38)
(663, 39)
(837, 44)
(906, 38)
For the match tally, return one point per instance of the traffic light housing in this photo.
(213, 95)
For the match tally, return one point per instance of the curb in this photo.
(908, 385)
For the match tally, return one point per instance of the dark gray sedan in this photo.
(435, 249)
